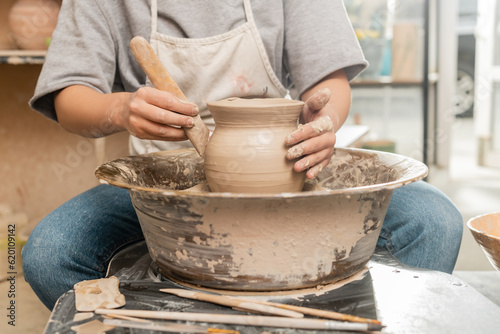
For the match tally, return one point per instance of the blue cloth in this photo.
(75, 242)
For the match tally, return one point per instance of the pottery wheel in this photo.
(377, 295)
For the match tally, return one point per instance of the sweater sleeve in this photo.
(319, 40)
(82, 52)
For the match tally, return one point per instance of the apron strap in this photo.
(154, 17)
(248, 10)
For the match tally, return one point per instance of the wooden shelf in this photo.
(20, 57)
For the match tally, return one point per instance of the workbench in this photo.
(405, 299)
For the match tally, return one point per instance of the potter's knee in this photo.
(45, 248)
(436, 211)
(29, 262)
(447, 220)
(37, 260)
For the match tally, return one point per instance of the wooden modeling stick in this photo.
(322, 313)
(240, 304)
(247, 320)
(162, 80)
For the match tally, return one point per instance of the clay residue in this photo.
(322, 124)
(301, 243)
(99, 293)
(291, 137)
(313, 186)
(297, 294)
(319, 99)
(295, 152)
(181, 255)
(83, 316)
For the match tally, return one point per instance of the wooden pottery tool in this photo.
(162, 80)
(243, 303)
(247, 320)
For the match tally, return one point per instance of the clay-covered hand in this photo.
(314, 140)
(157, 115)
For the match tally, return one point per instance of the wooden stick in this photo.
(162, 80)
(248, 320)
(234, 302)
(322, 313)
(124, 317)
(154, 68)
(300, 309)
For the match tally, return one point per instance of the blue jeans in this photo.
(75, 242)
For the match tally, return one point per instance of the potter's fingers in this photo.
(167, 101)
(313, 163)
(317, 101)
(145, 129)
(311, 160)
(313, 147)
(162, 116)
(153, 113)
(313, 129)
(314, 171)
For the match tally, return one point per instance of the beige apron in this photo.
(206, 69)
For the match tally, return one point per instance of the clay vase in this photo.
(31, 23)
(247, 152)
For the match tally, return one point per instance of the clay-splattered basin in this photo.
(486, 231)
(259, 242)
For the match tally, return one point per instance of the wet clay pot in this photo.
(247, 152)
(261, 242)
(486, 231)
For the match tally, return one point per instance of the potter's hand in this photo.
(158, 115)
(314, 141)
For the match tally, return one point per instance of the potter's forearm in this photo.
(340, 100)
(89, 113)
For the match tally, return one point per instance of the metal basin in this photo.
(261, 242)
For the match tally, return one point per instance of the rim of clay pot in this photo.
(474, 229)
(416, 170)
(253, 102)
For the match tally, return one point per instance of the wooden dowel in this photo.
(247, 320)
(322, 313)
(123, 317)
(234, 302)
(300, 309)
(154, 68)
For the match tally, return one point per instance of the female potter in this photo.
(92, 86)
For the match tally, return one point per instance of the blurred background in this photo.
(431, 92)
